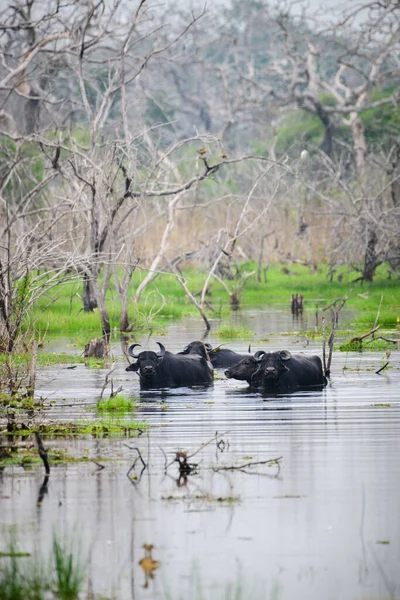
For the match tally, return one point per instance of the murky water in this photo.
(326, 525)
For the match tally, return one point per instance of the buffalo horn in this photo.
(130, 350)
(259, 354)
(162, 349)
(284, 354)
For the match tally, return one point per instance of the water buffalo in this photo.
(280, 371)
(196, 348)
(163, 369)
(245, 368)
(220, 358)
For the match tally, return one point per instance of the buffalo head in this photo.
(272, 366)
(146, 361)
(246, 368)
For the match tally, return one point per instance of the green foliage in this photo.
(30, 166)
(382, 124)
(165, 300)
(355, 345)
(69, 569)
(228, 330)
(296, 129)
(28, 456)
(99, 428)
(26, 577)
(116, 404)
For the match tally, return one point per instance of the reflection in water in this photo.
(328, 527)
(148, 564)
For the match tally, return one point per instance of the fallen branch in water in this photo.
(271, 461)
(359, 339)
(214, 438)
(381, 369)
(380, 337)
(182, 458)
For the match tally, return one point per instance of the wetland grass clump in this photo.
(116, 404)
(25, 576)
(69, 569)
(228, 330)
(105, 427)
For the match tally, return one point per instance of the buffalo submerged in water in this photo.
(279, 371)
(220, 358)
(164, 369)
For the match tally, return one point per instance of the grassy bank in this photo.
(165, 300)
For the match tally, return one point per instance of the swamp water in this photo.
(325, 525)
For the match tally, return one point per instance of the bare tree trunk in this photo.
(261, 254)
(32, 111)
(101, 303)
(89, 300)
(360, 146)
(395, 173)
(370, 258)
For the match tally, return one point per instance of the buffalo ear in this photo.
(285, 355)
(133, 367)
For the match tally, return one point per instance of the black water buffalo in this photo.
(220, 358)
(280, 371)
(245, 368)
(196, 348)
(163, 369)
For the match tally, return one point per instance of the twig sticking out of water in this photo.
(106, 382)
(381, 369)
(335, 307)
(42, 453)
(271, 461)
(182, 458)
(214, 438)
(99, 466)
(387, 354)
(385, 339)
(139, 457)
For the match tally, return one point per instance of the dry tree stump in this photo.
(96, 348)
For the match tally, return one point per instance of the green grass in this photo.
(29, 457)
(356, 345)
(116, 404)
(35, 577)
(65, 313)
(98, 428)
(46, 359)
(69, 569)
(230, 331)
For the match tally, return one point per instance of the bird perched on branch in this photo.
(202, 151)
